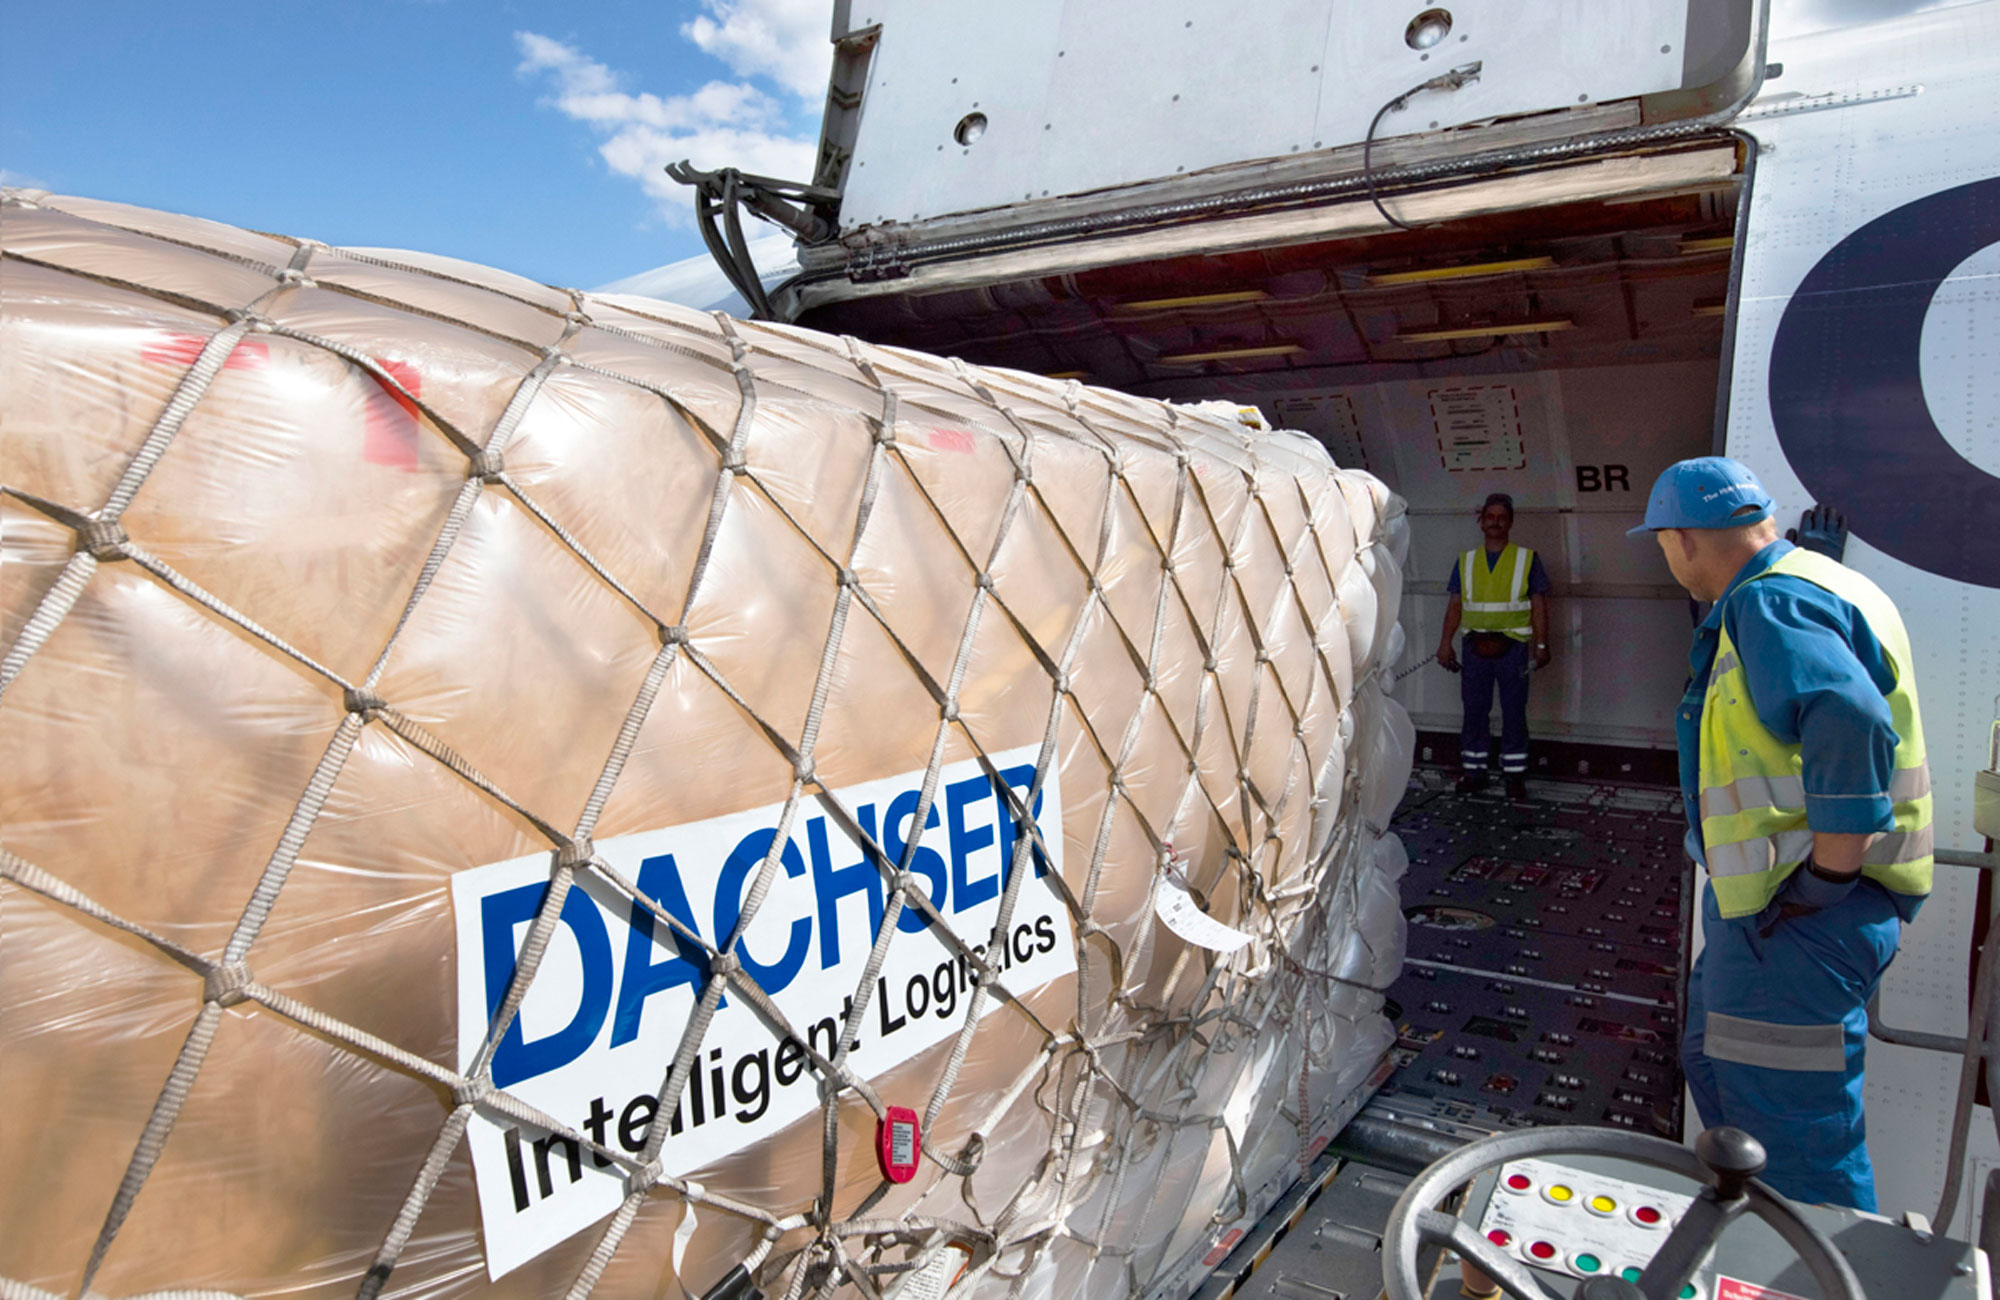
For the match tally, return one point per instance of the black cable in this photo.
(706, 207)
(1452, 80)
(1398, 104)
(751, 285)
(723, 194)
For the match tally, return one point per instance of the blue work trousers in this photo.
(1777, 1021)
(1477, 679)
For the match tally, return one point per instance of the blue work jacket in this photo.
(1819, 679)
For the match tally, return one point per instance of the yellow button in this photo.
(1603, 1204)
(1557, 1192)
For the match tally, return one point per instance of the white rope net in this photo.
(447, 723)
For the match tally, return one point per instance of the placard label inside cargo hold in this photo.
(604, 1017)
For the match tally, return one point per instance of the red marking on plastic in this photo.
(1646, 1214)
(1222, 1248)
(1500, 1237)
(172, 349)
(1542, 1250)
(1519, 1182)
(389, 434)
(1729, 1288)
(951, 440)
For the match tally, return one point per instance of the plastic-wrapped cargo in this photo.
(509, 790)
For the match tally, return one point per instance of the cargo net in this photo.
(259, 713)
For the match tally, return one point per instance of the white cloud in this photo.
(20, 180)
(788, 41)
(722, 124)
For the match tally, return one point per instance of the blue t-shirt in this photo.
(1820, 680)
(1538, 577)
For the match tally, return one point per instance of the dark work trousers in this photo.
(1477, 679)
(1776, 1027)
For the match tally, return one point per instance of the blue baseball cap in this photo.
(1706, 492)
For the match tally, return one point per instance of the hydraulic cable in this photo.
(1457, 78)
(723, 194)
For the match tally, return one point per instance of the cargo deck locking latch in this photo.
(898, 1144)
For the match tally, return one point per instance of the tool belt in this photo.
(1489, 645)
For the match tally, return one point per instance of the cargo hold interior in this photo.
(1564, 354)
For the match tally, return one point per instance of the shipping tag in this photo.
(934, 1280)
(1180, 914)
(685, 1232)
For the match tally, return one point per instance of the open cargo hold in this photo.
(1557, 334)
(414, 680)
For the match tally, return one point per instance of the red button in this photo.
(1519, 1182)
(1500, 1237)
(1542, 1250)
(1646, 1214)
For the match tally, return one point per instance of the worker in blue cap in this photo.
(1808, 801)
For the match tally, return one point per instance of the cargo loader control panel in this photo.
(1584, 1216)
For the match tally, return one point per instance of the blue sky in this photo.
(526, 136)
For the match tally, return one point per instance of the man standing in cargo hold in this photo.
(1501, 597)
(1808, 798)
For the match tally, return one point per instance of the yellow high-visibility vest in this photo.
(1753, 801)
(1496, 599)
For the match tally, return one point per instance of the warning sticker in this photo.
(1478, 427)
(603, 1019)
(1729, 1288)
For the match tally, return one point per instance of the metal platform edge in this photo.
(1231, 1250)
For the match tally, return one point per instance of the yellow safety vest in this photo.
(1753, 801)
(1496, 599)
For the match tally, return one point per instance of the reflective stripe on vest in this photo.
(1753, 817)
(1790, 792)
(1496, 599)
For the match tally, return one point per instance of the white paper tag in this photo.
(685, 1232)
(1177, 909)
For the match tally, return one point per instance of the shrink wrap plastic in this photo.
(337, 585)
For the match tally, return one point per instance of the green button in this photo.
(1630, 1274)
(1688, 1292)
(1588, 1263)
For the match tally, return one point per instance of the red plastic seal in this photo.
(898, 1144)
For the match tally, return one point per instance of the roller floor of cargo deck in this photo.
(1547, 965)
(1546, 973)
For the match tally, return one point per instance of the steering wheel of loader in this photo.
(1728, 1160)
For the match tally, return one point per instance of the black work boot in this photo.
(1517, 786)
(1471, 782)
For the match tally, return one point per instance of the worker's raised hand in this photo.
(1448, 657)
(1822, 529)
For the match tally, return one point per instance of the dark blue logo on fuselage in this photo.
(1847, 393)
